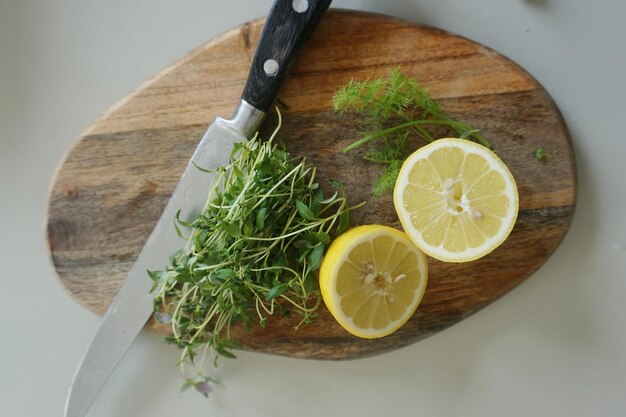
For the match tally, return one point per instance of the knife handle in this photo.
(287, 30)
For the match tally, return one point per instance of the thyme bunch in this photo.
(252, 253)
(391, 109)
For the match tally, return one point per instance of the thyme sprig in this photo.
(391, 108)
(252, 253)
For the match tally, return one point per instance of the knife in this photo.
(287, 29)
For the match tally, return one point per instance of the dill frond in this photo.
(392, 108)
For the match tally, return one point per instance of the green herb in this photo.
(391, 109)
(252, 253)
(539, 154)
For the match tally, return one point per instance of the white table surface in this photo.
(555, 346)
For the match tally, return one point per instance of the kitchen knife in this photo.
(288, 27)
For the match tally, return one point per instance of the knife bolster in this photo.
(247, 118)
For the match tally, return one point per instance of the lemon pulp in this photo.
(372, 280)
(456, 200)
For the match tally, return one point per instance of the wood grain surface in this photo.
(109, 190)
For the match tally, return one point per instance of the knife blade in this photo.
(289, 25)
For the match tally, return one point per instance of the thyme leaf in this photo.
(539, 154)
(252, 253)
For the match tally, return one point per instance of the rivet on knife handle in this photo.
(286, 32)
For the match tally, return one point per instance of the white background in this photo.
(555, 346)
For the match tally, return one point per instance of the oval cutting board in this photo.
(113, 183)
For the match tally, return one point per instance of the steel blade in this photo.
(133, 305)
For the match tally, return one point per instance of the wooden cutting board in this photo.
(109, 190)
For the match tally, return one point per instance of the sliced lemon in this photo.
(372, 280)
(456, 200)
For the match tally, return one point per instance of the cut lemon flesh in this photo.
(456, 200)
(372, 280)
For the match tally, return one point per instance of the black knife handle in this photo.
(287, 30)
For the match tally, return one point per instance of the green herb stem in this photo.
(403, 126)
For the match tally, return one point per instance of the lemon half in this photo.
(456, 200)
(372, 280)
